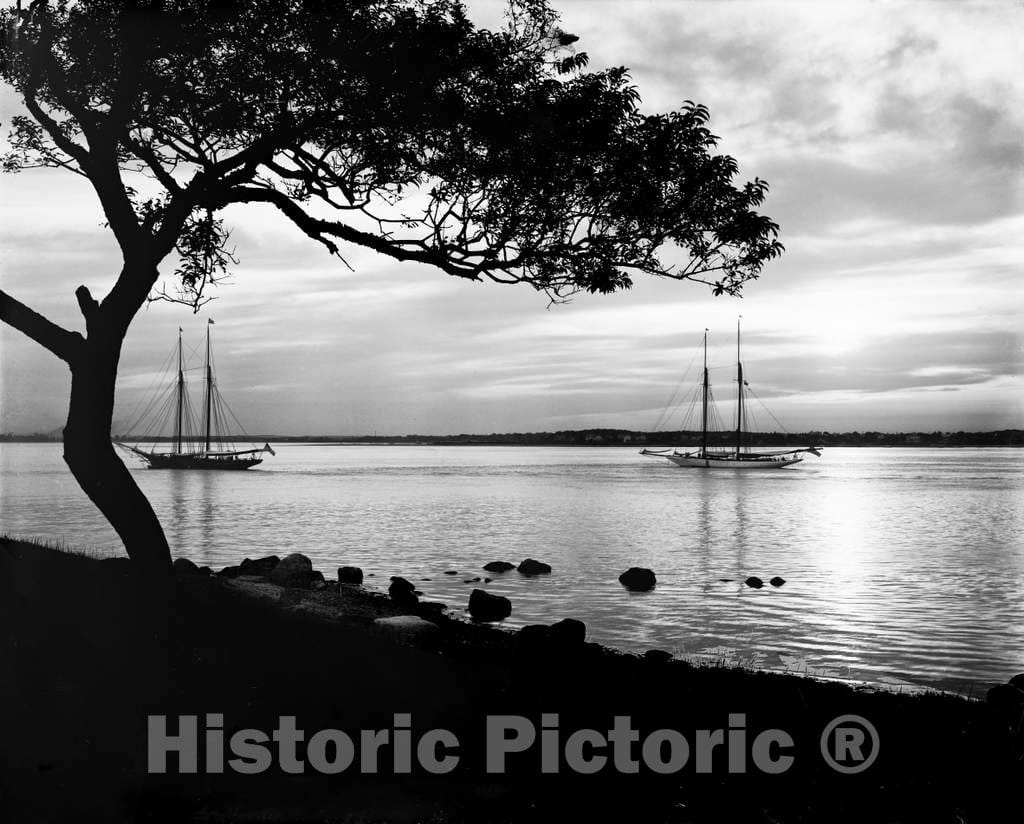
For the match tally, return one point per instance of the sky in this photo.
(892, 137)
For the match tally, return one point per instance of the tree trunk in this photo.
(90, 455)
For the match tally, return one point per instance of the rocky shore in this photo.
(90, 653)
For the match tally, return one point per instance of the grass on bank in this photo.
(89, 652)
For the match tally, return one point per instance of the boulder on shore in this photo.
(432, 608)
(754, 582)
(532, 567)
(1006, 696)
(402, 591)
(638, 579)
(350, 575)
(498, 566)
(534, 635)
(557, 637)
(183, 566)
(295, 570)
(568, 631)
(1007, 703)
(486, 607)
(408, 628)
(261, 566)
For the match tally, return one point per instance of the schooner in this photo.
(737, 456)
(206, 446)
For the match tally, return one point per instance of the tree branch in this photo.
(88, 305)
(152, 160)
(46, 333)
(324, 230)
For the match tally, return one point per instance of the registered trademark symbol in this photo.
(849, 744)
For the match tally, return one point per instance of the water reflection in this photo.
(899, 564)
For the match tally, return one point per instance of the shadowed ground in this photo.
(88, 652)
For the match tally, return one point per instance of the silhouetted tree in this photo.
(391, 124)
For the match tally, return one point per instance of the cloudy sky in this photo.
(892, 134)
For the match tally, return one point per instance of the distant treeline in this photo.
(626, 437)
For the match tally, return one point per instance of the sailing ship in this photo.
(737, 456)
(207, 446)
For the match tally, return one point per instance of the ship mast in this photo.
(704, 415)
(209, 387)
(181, 397)
(739, 392)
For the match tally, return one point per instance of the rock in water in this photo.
(754, 581)
(451, 572)
(402, 591)
(295, 570)
(486, 607)
(499, 566)
(638, 579)
(532, 567)
(408, 628)
(777, 581)
(350, 575)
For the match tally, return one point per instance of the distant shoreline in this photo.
(622, 438)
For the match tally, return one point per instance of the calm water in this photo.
(902, 565)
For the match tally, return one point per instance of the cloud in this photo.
(893, 139)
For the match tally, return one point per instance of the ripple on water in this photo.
(901, 565)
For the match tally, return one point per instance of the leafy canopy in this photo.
(391, 124)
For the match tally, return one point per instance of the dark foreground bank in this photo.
(89, 653)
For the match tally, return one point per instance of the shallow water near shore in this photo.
(903, 567)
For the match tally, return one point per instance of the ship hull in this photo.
(730, 463)
(200, 462)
